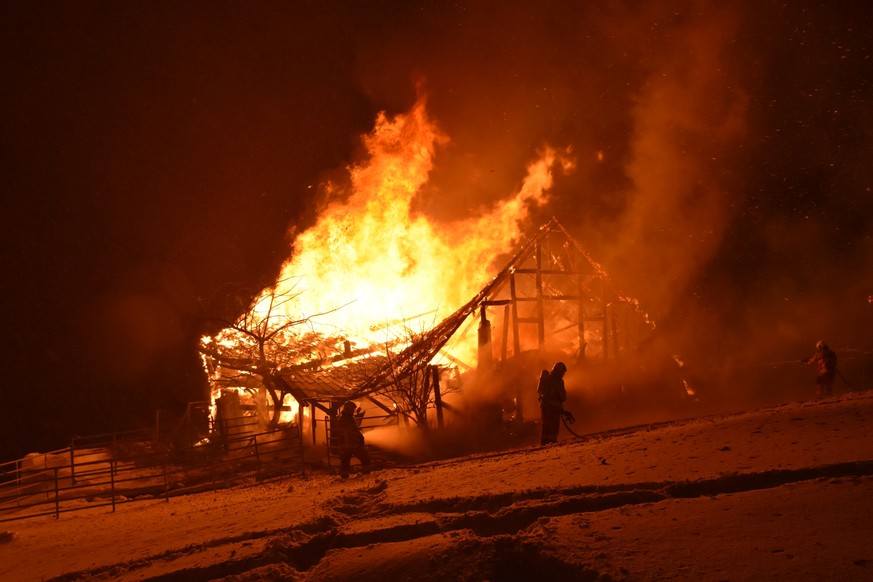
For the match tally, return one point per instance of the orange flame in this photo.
(371, 259)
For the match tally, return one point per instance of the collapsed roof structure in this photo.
(550, 297)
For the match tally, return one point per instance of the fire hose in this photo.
(844, 380)
(838, 373)
(567, 418)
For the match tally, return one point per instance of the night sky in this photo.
(157, 156)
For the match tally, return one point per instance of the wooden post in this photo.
(484, 359)
(437, 396)
(327, 437)
(302, 455)
(503, 347)
(58, 496)
(516, 342)
(166, 483)
(112, 482)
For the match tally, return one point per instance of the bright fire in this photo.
(371, 259)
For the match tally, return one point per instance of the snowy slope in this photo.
(777, 493)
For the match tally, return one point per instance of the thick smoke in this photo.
(720, 155)
(650, 99)
(687, 117)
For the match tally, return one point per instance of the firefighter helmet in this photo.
(820, 345)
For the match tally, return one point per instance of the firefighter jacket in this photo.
(551, 391)
(346, 432)
(825, 361)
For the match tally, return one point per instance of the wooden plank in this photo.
(550, 298)
(496, 302)
(546, 272)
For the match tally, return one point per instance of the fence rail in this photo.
(74, 478)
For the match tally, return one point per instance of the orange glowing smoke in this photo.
(371, 259)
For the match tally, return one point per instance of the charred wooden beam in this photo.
(549, 298)
(547, 272)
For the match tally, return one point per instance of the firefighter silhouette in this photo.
(825, 361)
(552, 394)
(349, 439)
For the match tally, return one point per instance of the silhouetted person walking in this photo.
(552, 395)
(825, 361)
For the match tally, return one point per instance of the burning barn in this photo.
(550, 301)
(380, 304)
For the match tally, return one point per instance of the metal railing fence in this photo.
(78, 478)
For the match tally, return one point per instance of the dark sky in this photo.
(155, 155)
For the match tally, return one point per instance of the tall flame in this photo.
(371, 258)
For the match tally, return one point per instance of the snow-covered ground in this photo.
(782, 493)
